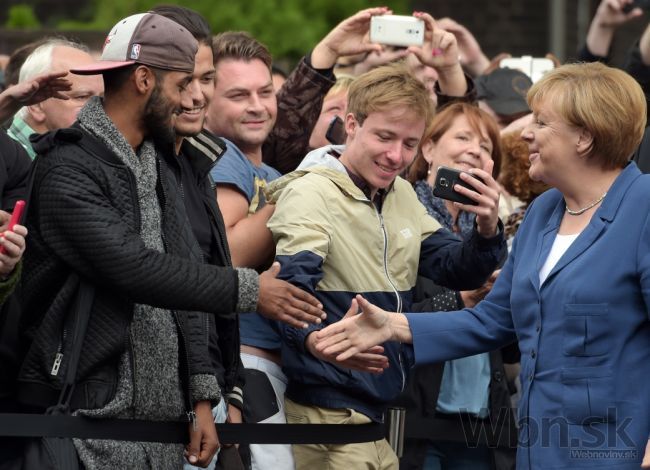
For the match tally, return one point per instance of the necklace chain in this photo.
(586, 208)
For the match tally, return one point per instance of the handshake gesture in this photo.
(353, 340)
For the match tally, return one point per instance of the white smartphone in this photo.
(535, 68)
(396, 30)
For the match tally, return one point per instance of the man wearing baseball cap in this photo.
(105, 209)
(502, 93)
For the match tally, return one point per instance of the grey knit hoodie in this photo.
(151, 389)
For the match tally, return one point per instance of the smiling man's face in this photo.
(244, 106)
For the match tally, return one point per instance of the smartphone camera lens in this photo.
(443, 182)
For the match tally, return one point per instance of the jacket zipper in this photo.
(189, 410)
(390, 281)
(58, 357)
(138, 226)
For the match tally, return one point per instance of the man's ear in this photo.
(351, 125)
(36, 113)
(144, 79)
(585, 142)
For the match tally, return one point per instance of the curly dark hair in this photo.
(514, 169)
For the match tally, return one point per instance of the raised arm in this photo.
(41, 88)
(609, 16)
(440, 51)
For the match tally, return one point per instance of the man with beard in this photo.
(105, 210)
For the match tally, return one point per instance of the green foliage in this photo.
(21, 17)
(288, 27)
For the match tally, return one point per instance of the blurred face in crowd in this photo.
(427, 75)
(462, 147)
(383, 146)
(502, 120)
(333, 106)
(244, 106)
(278, 81)
(54, 113)
(201, 89)
(169, 98)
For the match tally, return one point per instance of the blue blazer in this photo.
(584, 334)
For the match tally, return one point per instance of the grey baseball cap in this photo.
(145, 38)
(504, 90)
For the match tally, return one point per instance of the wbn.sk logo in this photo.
(552, 431)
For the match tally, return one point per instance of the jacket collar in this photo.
(203, 151)
(604, 215)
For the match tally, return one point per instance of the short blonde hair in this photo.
(605, 101)
(342, 84)
(388, 87)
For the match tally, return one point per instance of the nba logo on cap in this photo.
(135, 52)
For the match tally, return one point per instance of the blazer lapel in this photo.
(605, 213)
(544, 244)
(584, 241)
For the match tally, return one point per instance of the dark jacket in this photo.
(202, 152)
(14, 174)
(14, 171)
(84, 218)
(299, 104)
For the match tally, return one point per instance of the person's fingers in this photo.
(20, 230)
(336, 346)
(4, 219)
(193, 449)
(347, 354)
(373, 360)
(291, 321)
(353, 310)
(332, 343)
(304, 296)
(447, 41)
(10, 249)
(303, 310)
(274, 270)
(302, 314)
(15, 239)
(209, 447)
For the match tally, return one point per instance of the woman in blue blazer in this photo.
(575, 290)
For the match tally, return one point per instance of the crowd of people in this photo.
(208, 238)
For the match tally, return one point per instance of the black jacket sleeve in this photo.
(14, 171)
(78, 222)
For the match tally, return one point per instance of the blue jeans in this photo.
(456, 456)
(220, 413)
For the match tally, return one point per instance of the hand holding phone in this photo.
(397, 30)
(643, 4)
(16, 217)
(336, 134)
(446, 179)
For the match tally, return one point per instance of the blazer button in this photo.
(538, 327)
(498, 376)
(533, 354)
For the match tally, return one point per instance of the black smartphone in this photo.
(446, 178)
(643, 4)
(336, 131)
